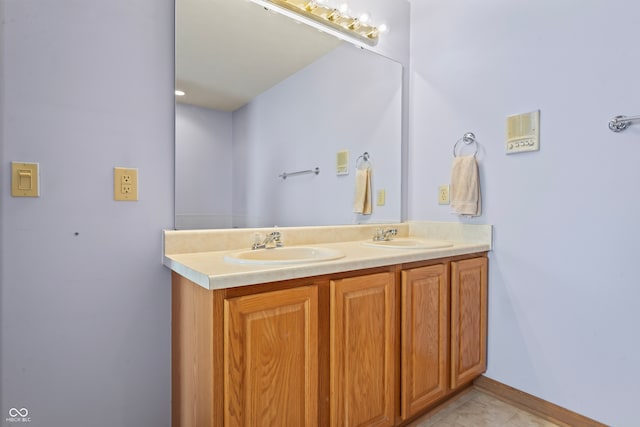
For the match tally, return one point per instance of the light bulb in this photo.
(365, 18)
(180, 93)
(354, 25)
(383, 28)
(333, 15)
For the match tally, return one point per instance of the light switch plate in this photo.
(25, 179)
(125, 184)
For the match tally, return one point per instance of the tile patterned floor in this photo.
(478, 409)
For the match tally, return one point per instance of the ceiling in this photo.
(229, 51)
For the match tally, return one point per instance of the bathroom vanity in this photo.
(375, 337)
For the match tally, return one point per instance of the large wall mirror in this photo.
(265, 95)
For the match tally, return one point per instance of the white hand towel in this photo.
(362, 199)
(465, 186)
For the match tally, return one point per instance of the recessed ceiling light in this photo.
(180, 93)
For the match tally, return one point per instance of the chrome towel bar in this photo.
(284, 175)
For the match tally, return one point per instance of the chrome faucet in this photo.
(273, 240)
(385, 235)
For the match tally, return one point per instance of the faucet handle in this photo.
(278, 238)
(383, 235)
(378, 234)
(258, 238)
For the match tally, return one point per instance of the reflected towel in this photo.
(465, 186)
(362, 199)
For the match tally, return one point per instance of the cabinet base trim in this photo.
(535, 405)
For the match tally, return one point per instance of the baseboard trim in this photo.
(542, 408)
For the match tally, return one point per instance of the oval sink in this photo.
(409, 243)
(286, 255)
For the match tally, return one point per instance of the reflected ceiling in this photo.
(260, 48)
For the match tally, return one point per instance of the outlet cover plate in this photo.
(443, 195)
(125, 184)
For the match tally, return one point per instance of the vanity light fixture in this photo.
(337, 21)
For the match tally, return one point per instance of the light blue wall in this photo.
(84, 298)
(563, 309)
(204, 142)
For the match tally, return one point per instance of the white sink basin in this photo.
(285, 255)
(409, 243)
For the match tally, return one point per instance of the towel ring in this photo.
(365, 159)
(468, 138)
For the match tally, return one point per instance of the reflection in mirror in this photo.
(249, 116)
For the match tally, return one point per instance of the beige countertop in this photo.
(196, 255)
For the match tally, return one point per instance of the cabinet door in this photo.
(270, 365)
(362, 351)
(468, 320)
(424, 337)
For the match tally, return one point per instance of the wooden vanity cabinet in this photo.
(362, 355)
(468, 320)
(424, 337)
(245, 356)
(444, 331)
(270, 363)
(363, 348)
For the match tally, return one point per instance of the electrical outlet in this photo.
(125, 184)
(381, 196)
(443, 195)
